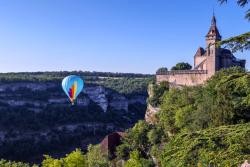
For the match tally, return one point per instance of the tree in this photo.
(75, 159)
(96, 158)
(182, 66)
(240, 42)
(162, 70)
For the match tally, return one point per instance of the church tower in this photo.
(212, 51)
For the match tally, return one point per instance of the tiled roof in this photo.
(200, 52)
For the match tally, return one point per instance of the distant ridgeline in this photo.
(206, 62)
(131, 82)
(37, 118)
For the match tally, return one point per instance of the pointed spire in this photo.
(213, 30)
(213, 23)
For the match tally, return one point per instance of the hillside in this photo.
(37, 118)
(193, 126)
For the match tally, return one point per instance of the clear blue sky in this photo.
(109, 35)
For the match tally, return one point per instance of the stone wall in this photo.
(198, 60)
(188, 78)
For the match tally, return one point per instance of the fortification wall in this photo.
(188, 78)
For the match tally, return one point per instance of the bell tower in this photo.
(212, 52)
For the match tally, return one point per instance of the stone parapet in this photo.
(174, 72)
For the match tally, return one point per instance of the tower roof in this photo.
(200, 52)
(213, 30)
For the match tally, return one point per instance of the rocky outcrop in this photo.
(151, 111)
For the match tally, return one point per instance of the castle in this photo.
(206, 62)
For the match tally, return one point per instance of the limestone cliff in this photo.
(38, 117)
(40, 95)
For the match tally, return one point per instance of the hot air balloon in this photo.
(72, 86)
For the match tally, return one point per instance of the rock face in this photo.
(98, 94)
(151, 111)
(49, 93)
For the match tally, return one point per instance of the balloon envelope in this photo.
(72, 86)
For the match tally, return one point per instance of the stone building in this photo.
(206, 62)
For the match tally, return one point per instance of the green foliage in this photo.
(154, 135)
(175, 103)
(237, 43)
(74, 159)
(157, 92)
(140, 139)
(93, 158)
(136, 138)
(96, 158)
(4, 163)
(136, 161)
(127, 86)
(182, 66)
(162, 70)
(223, 146)
(51, 162)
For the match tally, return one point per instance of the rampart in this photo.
(183, 77)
